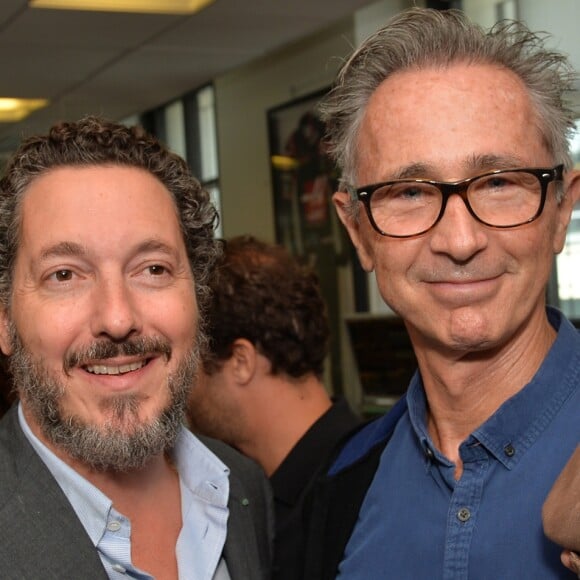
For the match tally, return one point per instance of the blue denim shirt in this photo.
(417, 522)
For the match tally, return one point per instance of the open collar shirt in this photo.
(204, 487)
(417, 522)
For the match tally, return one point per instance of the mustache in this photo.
(458, 273)
(459, 278)
(145, 346)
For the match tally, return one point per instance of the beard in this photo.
(123, 442)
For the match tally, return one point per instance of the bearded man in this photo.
(105, 245)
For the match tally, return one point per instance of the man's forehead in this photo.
(95, 170)
(448, 123)
(67, 209)
(100, 179)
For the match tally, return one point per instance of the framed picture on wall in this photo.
(304, 178)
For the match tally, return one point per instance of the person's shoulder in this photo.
(366, 438)
(11, 441)
(17, 458)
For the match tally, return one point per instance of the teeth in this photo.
(115, 370)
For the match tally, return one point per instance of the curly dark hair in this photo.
(263, 294)
(95, 141)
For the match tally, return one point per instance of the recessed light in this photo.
(146, 6)
(12, 110)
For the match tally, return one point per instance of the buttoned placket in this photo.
(115, 546)
(463, 510)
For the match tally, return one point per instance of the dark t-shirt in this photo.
(292, 480)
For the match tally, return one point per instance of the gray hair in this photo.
(94, 141)
(420, 38)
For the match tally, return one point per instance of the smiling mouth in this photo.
(115, 369)
(464, 279)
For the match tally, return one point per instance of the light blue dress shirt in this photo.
(418, 523)
(204, 486)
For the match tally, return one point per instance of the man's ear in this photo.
(570, 199)
(243, 361)
(5, 335)
(342, 203)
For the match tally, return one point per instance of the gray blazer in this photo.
(41, 536)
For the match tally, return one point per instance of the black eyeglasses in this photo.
(500, 199)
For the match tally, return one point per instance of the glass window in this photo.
(214, 192)
(175, 128)
(188, 127)
(567, 269)
(201, 138)
(568, 262)
(207, 134)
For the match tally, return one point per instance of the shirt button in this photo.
(429, 453)
(113, 526)
(119, 568)
(509, 450)
(463, 514)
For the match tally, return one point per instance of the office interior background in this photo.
(233, 89)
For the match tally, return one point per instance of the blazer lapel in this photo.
(241, 550)
(43, 536)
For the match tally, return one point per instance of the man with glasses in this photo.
(458, 192)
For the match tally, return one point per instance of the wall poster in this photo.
(304, 179)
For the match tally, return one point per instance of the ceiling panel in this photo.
(121, 64)
(63, 28)
(50, 73)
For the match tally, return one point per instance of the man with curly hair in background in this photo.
(261, 388)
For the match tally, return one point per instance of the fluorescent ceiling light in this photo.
(12, 110)
(148, 6)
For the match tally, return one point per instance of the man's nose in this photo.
(458, 233)
(115, 312)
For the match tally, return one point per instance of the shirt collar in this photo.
(200, 471)
(516, 425)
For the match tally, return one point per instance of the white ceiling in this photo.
(118, 65)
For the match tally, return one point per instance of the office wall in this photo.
(243, 98)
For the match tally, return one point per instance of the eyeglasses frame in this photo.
(544, 175)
